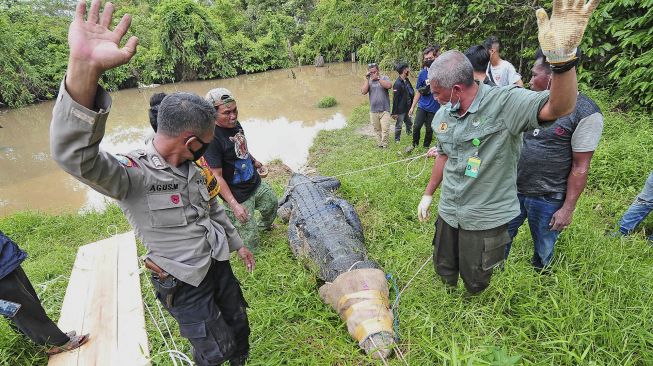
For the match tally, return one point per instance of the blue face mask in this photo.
(455, 107)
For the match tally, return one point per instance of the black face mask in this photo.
(197, 154)
(427, 63)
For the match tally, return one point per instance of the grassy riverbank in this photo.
(593, 310)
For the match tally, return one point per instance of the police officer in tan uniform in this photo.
(160, 189)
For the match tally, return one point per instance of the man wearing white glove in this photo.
(479, 134)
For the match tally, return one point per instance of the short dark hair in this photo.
(179, 112)
(490, 42)
(479, 57)
(155, 101)
(435, 48)
(539, 55)
(401, 66)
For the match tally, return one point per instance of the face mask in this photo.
(427, 63)
(199, 152)
(455, 107)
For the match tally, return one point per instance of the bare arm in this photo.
(562, 99)
(365, 87)
(385, 83)
(519, 83)
(576, 182)
(436, 174)
(412, 106)
(239, 210)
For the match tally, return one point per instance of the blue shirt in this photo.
(426, 102)
(10, 256)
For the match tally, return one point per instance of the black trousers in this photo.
(212, 316)
(31, 319)
(471, 253)
(425, 118)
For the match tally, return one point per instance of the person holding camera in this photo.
(377, 86)
(426, 105)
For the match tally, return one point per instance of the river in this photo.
(278, 110)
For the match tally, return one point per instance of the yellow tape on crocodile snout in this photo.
(372, 326)
(366, 294)
(373, 304)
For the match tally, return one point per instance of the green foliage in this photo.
(34, 55)
(327, 102)
(189, 39)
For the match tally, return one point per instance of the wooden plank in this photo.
(102, 311)
(132, 336)
(103, 298)
(73, 310)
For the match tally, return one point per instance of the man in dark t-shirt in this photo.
(237, 172)
(553, 169)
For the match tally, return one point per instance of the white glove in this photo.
(423, 208)
(560, 36)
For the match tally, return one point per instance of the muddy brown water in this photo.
(278, 110)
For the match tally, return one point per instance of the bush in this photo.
(327, 102)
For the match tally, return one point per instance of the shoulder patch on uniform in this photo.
(126, 161)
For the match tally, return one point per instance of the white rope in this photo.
(112, 232)
(174, 354)
(379, 166)
(400, 354)
(412, 158)
(409, 282)
(377, 350)
(352, 266)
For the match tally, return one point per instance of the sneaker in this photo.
(409, 149)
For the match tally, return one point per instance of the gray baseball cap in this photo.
(219, 96)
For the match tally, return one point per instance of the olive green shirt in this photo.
(496, 118)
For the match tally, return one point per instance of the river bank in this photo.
(593, 309)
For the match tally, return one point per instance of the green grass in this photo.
(594, 309)
(327, 102)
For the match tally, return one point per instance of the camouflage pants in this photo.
(265, 201)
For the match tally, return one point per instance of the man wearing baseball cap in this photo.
(237, 171)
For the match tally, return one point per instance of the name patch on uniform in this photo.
(164, 187)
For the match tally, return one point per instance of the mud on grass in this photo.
(593, 309)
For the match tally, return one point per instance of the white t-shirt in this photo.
(504, 73)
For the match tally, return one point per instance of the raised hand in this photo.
(95, 49)
(91, 42)
(560, 36)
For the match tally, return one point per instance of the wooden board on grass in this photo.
(104, 299)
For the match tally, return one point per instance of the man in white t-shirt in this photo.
(501, 72)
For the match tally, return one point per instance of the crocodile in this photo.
(326, 234)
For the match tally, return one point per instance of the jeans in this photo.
(638, 211)
(538, 210)
(401, 119)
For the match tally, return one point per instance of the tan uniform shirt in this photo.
(496, 120)
(167, 206)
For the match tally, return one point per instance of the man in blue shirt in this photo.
(426, 105)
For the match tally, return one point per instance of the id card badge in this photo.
(473, 165)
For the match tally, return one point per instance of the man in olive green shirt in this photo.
(479, 135)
